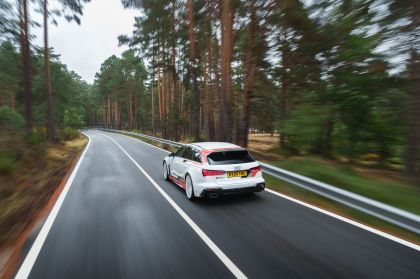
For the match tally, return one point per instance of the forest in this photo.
(41, 100)
(335, 78)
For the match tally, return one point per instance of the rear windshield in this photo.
(229, 157)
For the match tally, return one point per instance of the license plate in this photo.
(231, 174)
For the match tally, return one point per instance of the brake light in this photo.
(212, 172)
(255, 170)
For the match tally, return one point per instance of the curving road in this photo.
(118, 218)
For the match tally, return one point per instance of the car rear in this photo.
(229, 171)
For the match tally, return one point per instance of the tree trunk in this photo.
(143, 105)
(136, 121)
(250, 65)
(153, 97)
(12, 98)
(284, 94)
(26, 63)
(225, 117)
(165, 102)
(216, 91)
(205, 95)
(47, 79)
(109, 111)
(115, 114)
(327, 142)
(195, 125)
(104, 122)
(160, 101)
(181, 107)
(175, 122)
(130, 109)
(413, 129)
(210, 118)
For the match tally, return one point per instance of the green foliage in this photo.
(304, 126)
(8, 23)
(72, 97)
(9, 69)
(10, 120)
(7, 163)
(69, 134)
(73, 118)
(318, 77)
(37, 137)
(120, 78)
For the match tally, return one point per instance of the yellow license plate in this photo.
(236, 174)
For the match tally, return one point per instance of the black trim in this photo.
(218, 192)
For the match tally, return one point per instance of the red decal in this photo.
(177, 181)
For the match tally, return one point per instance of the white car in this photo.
(213, 169)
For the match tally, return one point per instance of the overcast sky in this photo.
(84, 47)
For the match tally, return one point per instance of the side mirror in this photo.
(172, 154)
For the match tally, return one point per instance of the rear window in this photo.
(229, 157)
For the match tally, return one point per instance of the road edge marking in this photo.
(29, 261)
(347, 220)
(216, 250)
(326, 212)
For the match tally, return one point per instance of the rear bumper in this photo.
(218, 192)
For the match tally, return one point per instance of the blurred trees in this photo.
(119, 87)
(72, 93)
(401, 29)
(8, 21)
(21, 70)
(25, 51)
(333, 77)
(338, 78)
(9, 74)
(72, 9)
(72, 99)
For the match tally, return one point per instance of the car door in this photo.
(176, 162)
(186, 159)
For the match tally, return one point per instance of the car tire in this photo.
(165, 172)
(189, 188)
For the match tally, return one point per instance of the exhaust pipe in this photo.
(260, 186)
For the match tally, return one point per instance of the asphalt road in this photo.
(120, 219)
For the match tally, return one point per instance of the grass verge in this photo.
(387, 187)
(367, 178)
(25, 191)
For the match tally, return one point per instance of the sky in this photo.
(84, 47)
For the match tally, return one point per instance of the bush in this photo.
(38, 136)
(10, 119)
(7, 163)
(73, 118)
(69, 134)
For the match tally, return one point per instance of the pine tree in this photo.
(72, 9)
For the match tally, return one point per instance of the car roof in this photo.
(215, 145)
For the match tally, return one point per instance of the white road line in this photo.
(329, 213)
(344, 219)
(33, 253)
(216, 250)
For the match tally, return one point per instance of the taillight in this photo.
(255, 170)
(212, 172)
